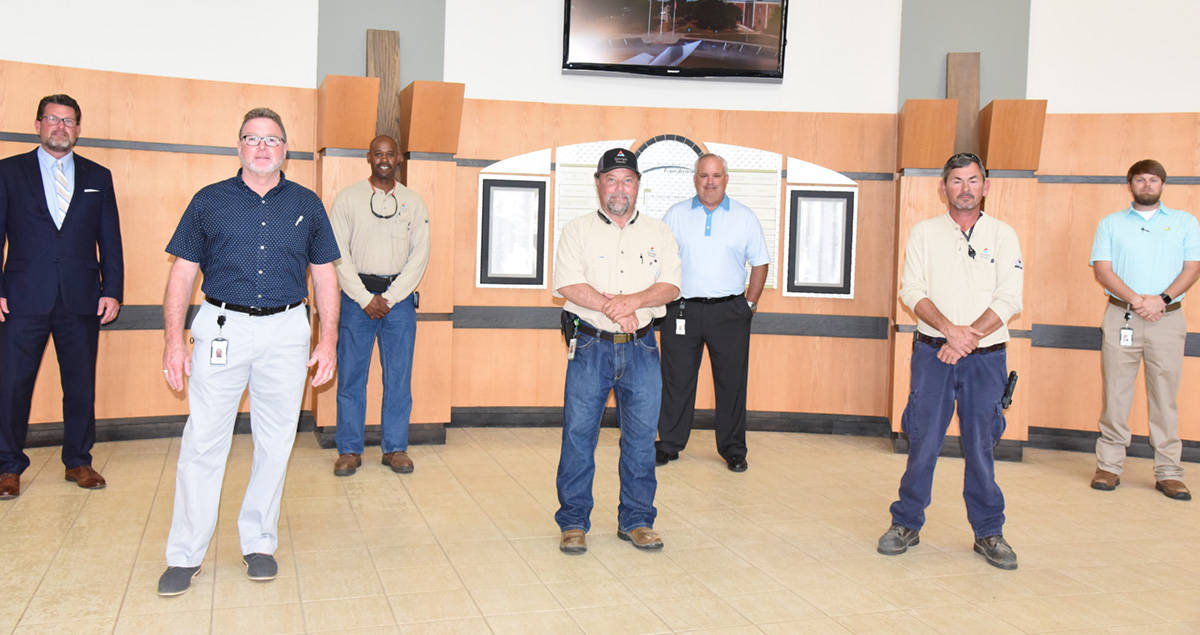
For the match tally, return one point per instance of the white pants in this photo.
(270, 353)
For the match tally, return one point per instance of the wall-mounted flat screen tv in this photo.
(676, 38)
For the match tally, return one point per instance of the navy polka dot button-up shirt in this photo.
(255, 250)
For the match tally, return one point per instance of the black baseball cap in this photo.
(617, 158)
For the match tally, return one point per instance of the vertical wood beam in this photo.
(962, 83)
(383, 61)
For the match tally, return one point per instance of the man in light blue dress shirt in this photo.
(717, 237)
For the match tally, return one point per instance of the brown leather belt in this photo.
(1115, 301)
(615, 338)
(937, 342)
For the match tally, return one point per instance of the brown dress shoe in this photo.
(346, 464)
(10, 486)
(1106, 481)
(398, 461)
(85, 477)
(573, 542)
(1174, 489)
(642, 538)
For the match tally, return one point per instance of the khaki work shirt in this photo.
(594, 250)
(380, 246)
(938, 266)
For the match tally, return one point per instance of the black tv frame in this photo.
(674, 71)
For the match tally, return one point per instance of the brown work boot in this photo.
(85, 477)
(10, 486)
(346, 464)
(642, 538)
(573, 542)
(1174, 489)
(1106, 481)
(398, 461)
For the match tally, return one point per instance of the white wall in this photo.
(1118, 56)
(249, 41)
(841, 56)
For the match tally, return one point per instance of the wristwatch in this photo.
(1165, 298)
(753, 306)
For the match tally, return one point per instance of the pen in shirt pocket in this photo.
(298, 220)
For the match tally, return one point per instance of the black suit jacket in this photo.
(43, 261)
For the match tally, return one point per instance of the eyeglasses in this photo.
(53, 121)
(271, 140)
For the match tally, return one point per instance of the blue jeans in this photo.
(356, 339)
(600, 367)
(977, 382)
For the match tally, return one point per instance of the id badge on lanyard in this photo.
(1126, 332)
(218, 352)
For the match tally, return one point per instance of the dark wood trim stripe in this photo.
(122, 144)
(551, 417)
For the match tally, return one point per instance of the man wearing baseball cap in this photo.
(617, 269)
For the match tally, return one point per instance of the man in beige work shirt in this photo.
(962, 277)
(382, 230)
(617, 268)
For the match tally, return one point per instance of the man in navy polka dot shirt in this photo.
(254, 236)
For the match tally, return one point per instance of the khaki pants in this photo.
(1160, 344)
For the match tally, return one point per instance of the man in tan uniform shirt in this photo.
(382, 230)
(617, 268)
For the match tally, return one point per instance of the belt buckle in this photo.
(622, 338)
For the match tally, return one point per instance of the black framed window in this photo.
(820, 243)
(512, 233)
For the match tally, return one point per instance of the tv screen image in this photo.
(680, 38)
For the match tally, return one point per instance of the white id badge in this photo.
(680, 327)
(1126, 336)
(571, 348)
(218, 354)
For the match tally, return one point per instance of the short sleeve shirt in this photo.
(255, 250)
(1147, 255)
(619, 260)
(715, 246)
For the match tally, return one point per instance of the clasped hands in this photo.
(960, 341)
(1150, 308)
(621, 309)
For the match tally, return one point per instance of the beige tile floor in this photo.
(467, 544)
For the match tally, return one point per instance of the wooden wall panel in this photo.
(818, 374)
(430, 116)
(1011, 133)
(151, 108)
(508, 368)
(435, 182)
(346, 110)
(1108, 144)
(926, 132)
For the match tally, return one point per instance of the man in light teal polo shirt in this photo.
(1146, 257)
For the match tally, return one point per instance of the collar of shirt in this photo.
(609, 221)
(47, 162)
(1159, 210)
(271, 192)
(723, 206)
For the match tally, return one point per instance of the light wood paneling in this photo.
(435, 182)
(154, 109)
(431, 116)
(346, 106)
(1108, 144)
(926, 135)
(1011, 132)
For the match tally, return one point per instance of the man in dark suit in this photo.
(57, 211)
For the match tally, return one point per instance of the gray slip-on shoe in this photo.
(176, 580)
(260, 566)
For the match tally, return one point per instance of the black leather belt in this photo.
(712, 300)
(615, 338)
(937, 342)
(1115, 301)
(253, 310)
